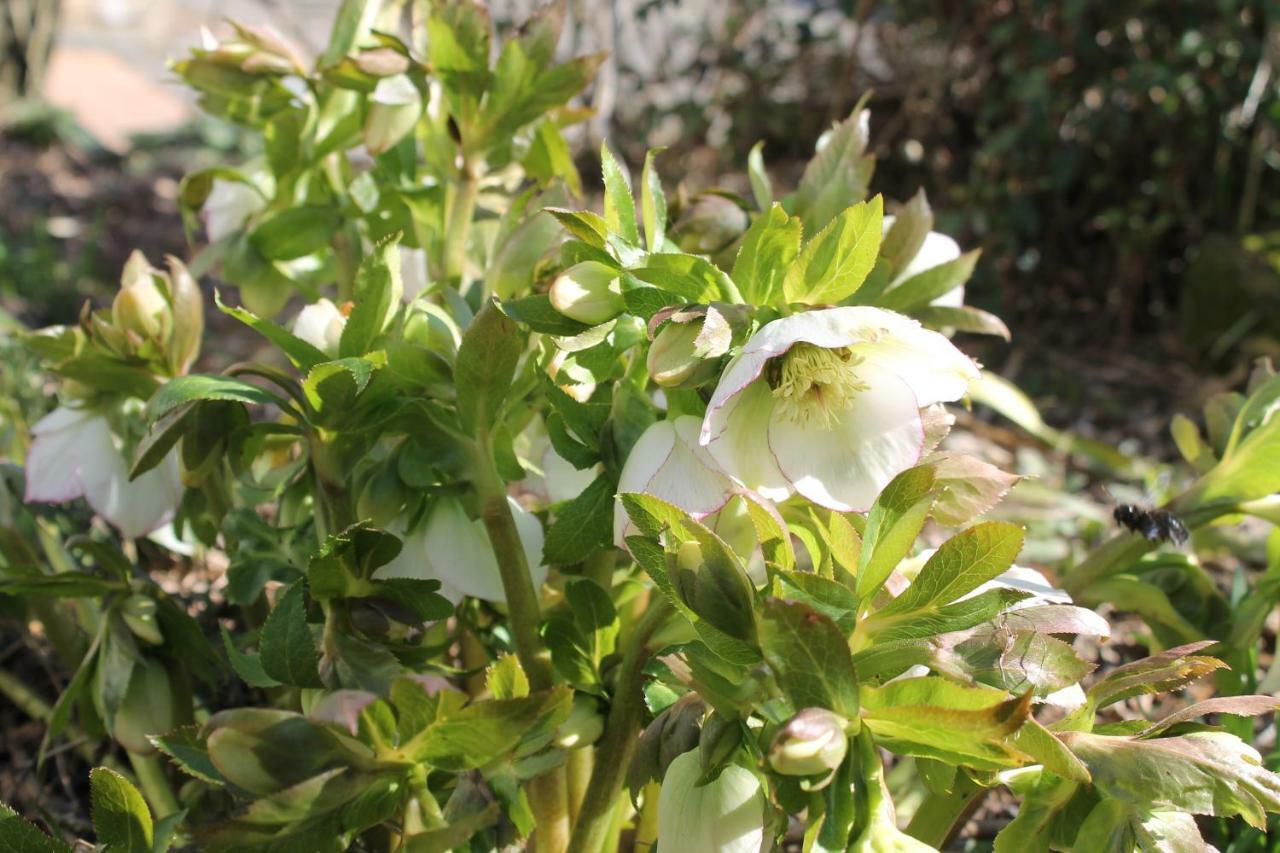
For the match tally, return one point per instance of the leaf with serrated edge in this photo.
(120, 815)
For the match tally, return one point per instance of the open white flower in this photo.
(668, 463)
(937, 249)
(74, 454)
(454, 549)
(227, 207)
(320, 324)
(828, 404)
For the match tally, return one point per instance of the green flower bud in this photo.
(709, 225)
(588, 292)
(141, 307)
(812, 742)
(584, 725)
(139, 612)
(188, 318)
(148, 708)
(672, 360)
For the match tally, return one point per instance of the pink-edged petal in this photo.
(937, 249)
(927, 361)
(668, 463)
(456, 551)
(843, 468)
(739, 442)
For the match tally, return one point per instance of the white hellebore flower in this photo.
(828, 404)
(320, 324)
(937, 249)
(454, 549)
(227, 206)
(725, 816)
(668, 463)
(74, 454)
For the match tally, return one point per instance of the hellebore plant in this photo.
(568, 530)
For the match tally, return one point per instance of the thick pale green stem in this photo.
(578, 766)
(613, 756)
(154, 784)
(462, 208)
(940, 816)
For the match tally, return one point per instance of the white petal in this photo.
(737, 437)
(563, 482)
(845, 467)
(320, 324)
(412, 562)
(927, 361)
(227, 206)
(668, 463)
(53, 461)
(457, 550)
(936, 250)
(413, 270)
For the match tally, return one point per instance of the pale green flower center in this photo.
(814, 385)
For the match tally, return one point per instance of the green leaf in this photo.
(247, 666)
(377, 294)
(838, 174)
(61, 585)
(188, 751)
(160, 438)
(906, 236)
(962, 564)
(968, 487)
(835, 262)
(893, 523)
(595, 615)
(583, 224)
(1208, 773)
(619, 204)
(809, 655)
(198, 386)
(506, 679)
(653, 203)
(958, 616)
(354, 19)
(936, 718)
(295, 232)
(690, 277)
(486, 365)
(1160, 673)
(287, 648)
(582, 526)
(120, 815)
(919, 290)
(311, 798)
(768, 250)
(484, 731)
(19, 836)
(1045, 747)
(828, 597)
(761, 189)
(964, 318)
(455, 835)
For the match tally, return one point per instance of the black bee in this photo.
(1155, 525)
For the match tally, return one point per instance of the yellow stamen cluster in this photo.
(815, 384)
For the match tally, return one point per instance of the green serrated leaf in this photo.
(188, 751)
(810, 657)
(582, 526)
(619, 204)
(962, 564)
(120, 815)
(836, 261)
(486, 365)
(769, 248)
(287, 649)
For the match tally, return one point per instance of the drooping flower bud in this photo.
(320, 324)
(726, 815)
(673, 362)
(584, 725)
(588, 292)
(812, 742)
(147, 709)
(139, 613)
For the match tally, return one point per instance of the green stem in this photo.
(599, 567)
(578, 766)
(517, 582)
(154, 784)
(647, 819)
(462, 208)
(940, 816)
(613, 756)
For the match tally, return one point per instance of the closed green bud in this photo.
(672, 360)
(813, 742)
(588, 292)
(139, 612)
(712, 223)
(148, 708)
(584, 725)
(188, 318)
(141, 307)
